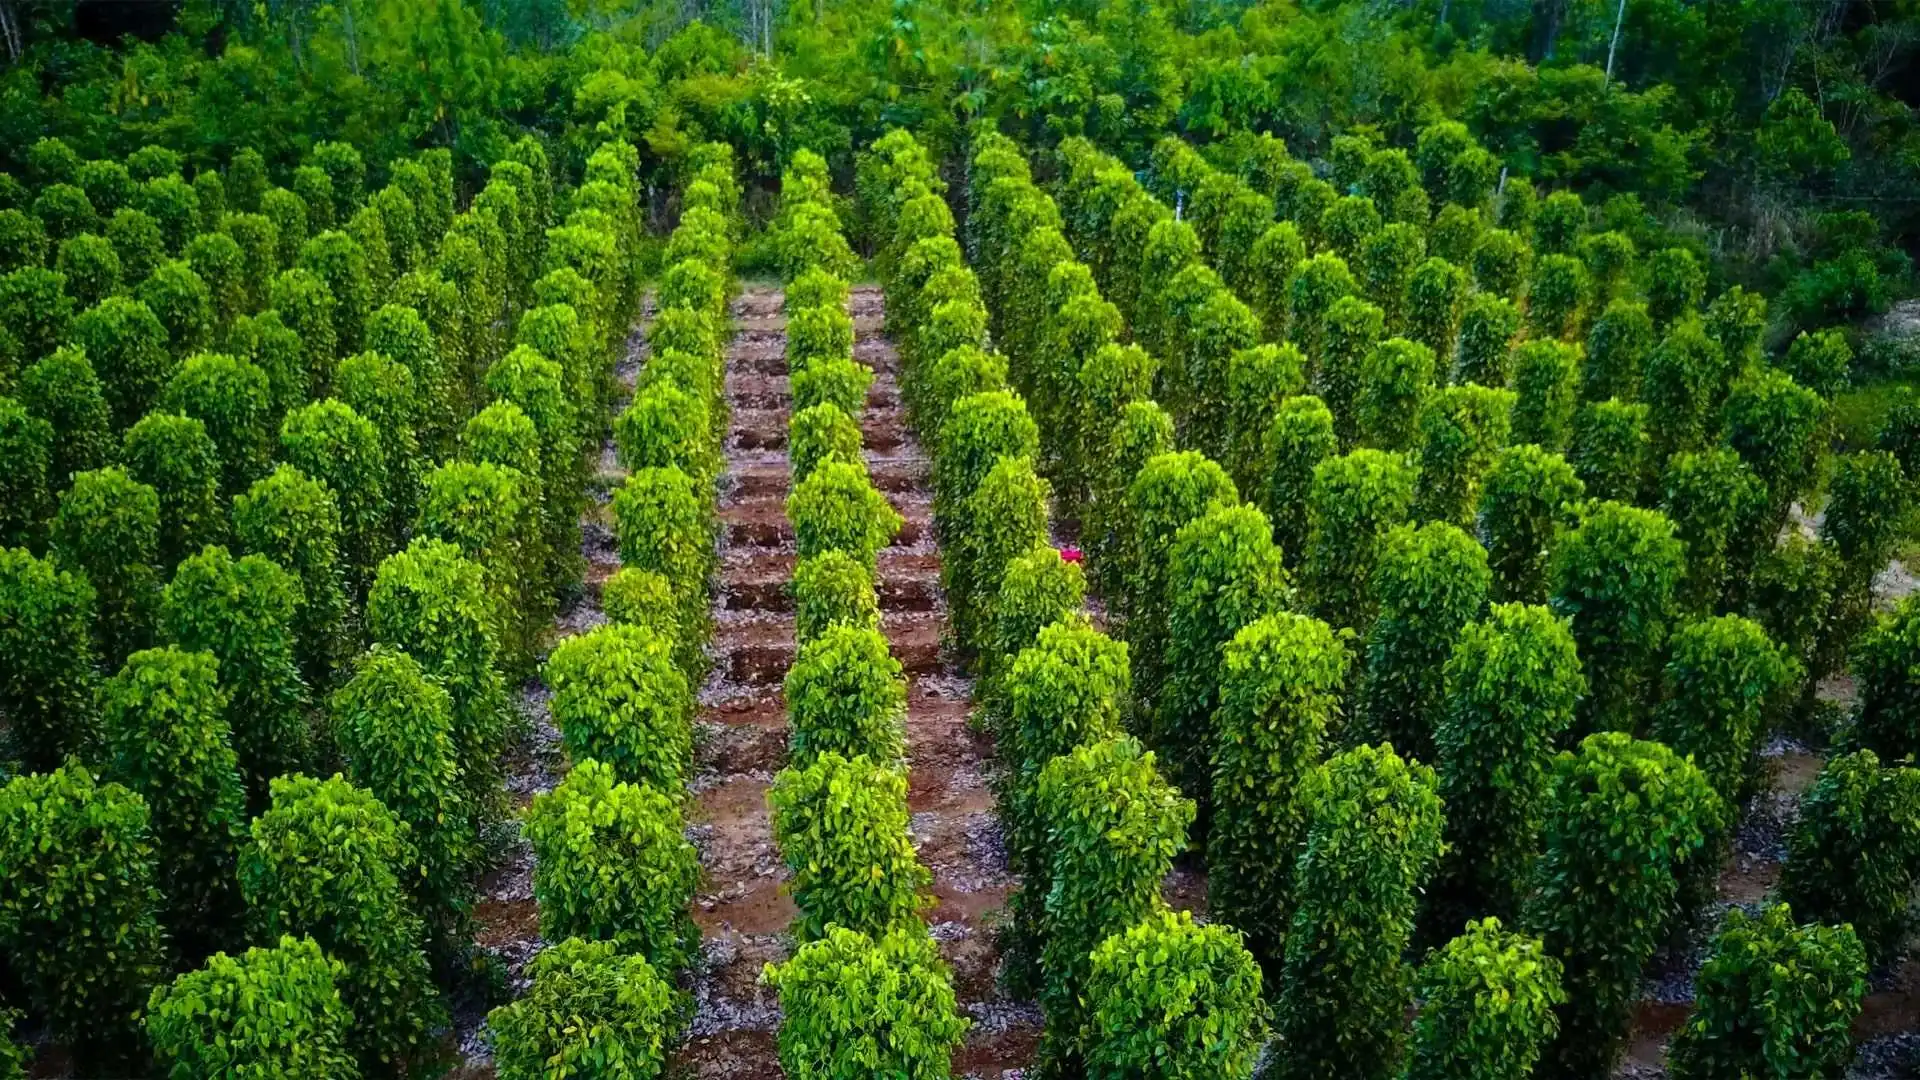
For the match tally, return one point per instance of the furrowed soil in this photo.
(743, 909)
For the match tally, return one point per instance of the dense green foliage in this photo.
(590, 1010)
(272, 1011)
(856, 1005)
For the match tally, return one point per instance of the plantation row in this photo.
(1243, 685)
(865, 992)
(401, 486)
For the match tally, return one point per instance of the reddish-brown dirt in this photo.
(743, 909)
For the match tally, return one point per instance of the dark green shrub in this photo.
(1675, 285)
(1511, 685)
(1518, 204)
(1461, 430)
(491, 513)
(339, 265)
(394, 729)
(346, 174)
(91, 268)
(642, 598)
(1821, 361)
(1545, 377)
(1487, 1000)
(1502, 263)
(1354, 501)
(1789, 595)
(269, 1012)
(1777, 427)
(837, 508)
(431, 601)
(1683, 386)
(1436, 295)
(306, 306)
(1004, 518)
(259, 250)
(315, 189)
(1735, 321)
(1281, 682)
(1720, 678)
(26, 452)
(37, 309)
(666, 426)
(1300, 436)
(384, 393)
(845, 695)
(1867, 500)
(619, 699)
(1396, 378)
(1171, 490)
(25, 241)
(1347, 224)
(1038, 588)
(1773, 996)
(663, 526)
(1558, 223)
(47, 660)
(294, 520)
(184, 305)
(538, 386)
(1617, 577)
(1456, 230)
(1114, 829)
(176, 457)
(217, 258)
(66, 211)
(830, 589)
(1429, 583)
(1269, 268)
(108, 530)
(979, 430)
(246, 179)
(841, 825)
(1259, 382)
(1617, 349)
(127, 346)
(269, 345)
(614, 866)
(1611, 451)
(1316, 285)
(1708, 496)
(856, 1006)
(136, 237)
(241, 611)
(335, 445)
(821, 433)
(77, 904)
(1487, 328)
(1622, 817)
(63, 390)
(588, 1008)
(1353, 329)
(1180, 999)
(1610, 258)
(233, 401)
(401, 335)
(1142, 432)
(327, 860)
(211, 192)
(1387, 262)
(1372, 836)
(166, 739)
(1888, 721)
(1558, 296)
(1070, 687)
(1853, 854)
(1223, 573)
(290, 216)
(173, 203)
(1528, 497)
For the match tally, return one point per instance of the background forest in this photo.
(1777, 136)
